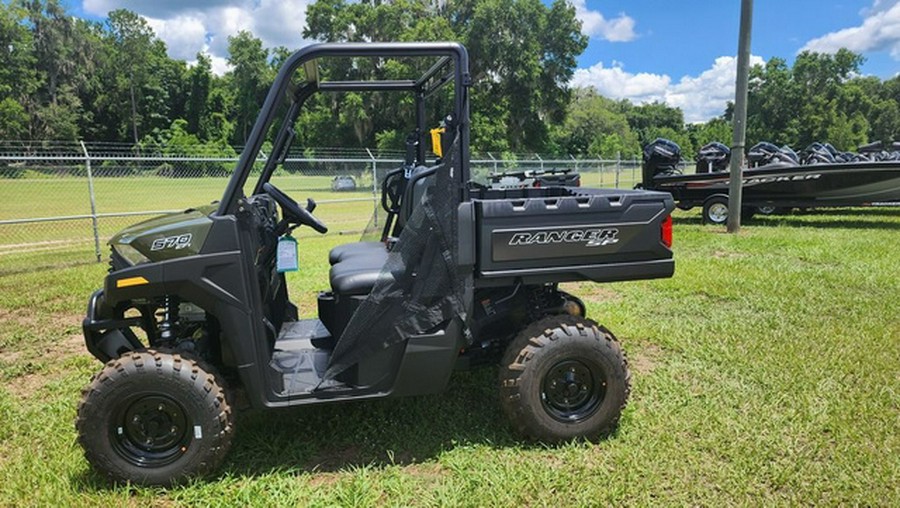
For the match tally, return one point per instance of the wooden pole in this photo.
(740, 118)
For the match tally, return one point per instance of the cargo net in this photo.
(419, 286)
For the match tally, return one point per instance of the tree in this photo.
(248, 80)
(17, 59)
(13, 119)
(596, 126)
(132, 38)
(199, 79)
(647, 119)
(526, 56)
(18, 79)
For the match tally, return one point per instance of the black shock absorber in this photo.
(539, 301)
(167, 327)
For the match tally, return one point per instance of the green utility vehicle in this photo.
(196, 308)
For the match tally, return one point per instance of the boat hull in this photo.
(831, 185)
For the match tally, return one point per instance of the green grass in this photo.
(68, 196)
(765, 372)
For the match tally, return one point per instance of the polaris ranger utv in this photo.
(196, 306)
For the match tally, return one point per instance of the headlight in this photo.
(130, 254)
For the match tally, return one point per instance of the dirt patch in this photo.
(9, 357)
(38, 319)
(323, 479)
(431, 474)
(645, 360)
(722, 254)
(24, 386)
(70, 345)
(335, 459)
(37, 364)
(590, 291)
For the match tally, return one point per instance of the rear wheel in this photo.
(155, 418)
(564, 377)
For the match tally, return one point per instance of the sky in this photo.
(681, 53)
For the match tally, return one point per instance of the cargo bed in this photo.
(564, 234)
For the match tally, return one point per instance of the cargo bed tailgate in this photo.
(558, 235)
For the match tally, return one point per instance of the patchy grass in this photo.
(766, 371)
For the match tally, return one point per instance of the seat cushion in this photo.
(357, 274)
(342, 252)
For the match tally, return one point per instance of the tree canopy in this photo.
(65, 78)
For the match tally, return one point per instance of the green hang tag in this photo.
(286, 258)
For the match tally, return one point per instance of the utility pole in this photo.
(740, 118)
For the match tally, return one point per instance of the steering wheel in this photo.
(293, 211)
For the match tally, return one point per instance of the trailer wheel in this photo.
(715, 210)
(155, 418)
(772, 210)
(562, 378)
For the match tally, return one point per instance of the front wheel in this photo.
(155, 418)
(564, 377)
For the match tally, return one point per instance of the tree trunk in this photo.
(133, 112)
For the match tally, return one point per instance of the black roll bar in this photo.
(450, 51)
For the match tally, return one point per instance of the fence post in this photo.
(601, 162)
(495, 162)
(618, 167)
(90, 179)
(542, 162)
(633, 170)
(374, 186)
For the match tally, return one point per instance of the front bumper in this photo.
(105, 335)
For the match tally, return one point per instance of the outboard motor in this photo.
(712, 157)
(871, 149)
(661, 157)
(761, 154)
(786, 154)
(818, 153)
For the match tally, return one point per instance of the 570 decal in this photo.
(176, 242)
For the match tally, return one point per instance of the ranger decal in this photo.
(590, 237)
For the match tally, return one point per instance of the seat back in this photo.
(419, 180)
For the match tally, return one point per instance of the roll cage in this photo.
(451, 66)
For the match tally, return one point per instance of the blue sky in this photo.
(681, 53)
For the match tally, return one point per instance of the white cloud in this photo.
(617, 83)
(594, 24)
(184, 35)
(700, 97)
(880, 30)
(156, 8)
(191, 26)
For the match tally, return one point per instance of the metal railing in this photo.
(61, 202)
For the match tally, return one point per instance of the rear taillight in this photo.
(666, 232)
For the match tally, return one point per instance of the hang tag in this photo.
(286, 259)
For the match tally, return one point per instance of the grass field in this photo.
(767, 371)
(67, 196)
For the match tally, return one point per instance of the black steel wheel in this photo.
(572, 389)
(564, 377)
(150, 430)
(155, 418)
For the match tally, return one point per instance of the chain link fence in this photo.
(61, 202)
